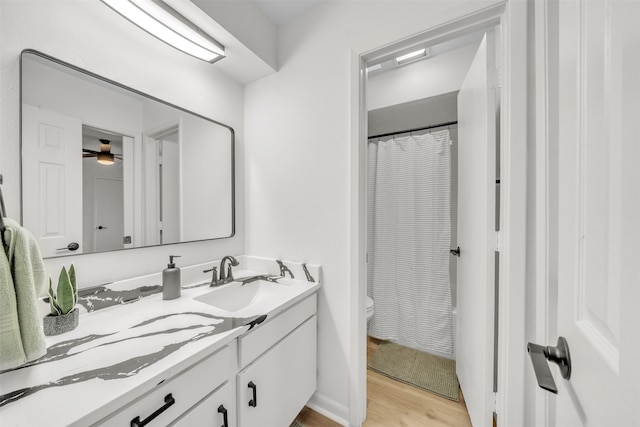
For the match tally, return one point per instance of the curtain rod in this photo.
(414, 130)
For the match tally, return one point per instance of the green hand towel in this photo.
(27, 270)
(11, 351)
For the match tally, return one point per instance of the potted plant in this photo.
(64, 314)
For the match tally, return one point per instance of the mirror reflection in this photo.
(106, 168)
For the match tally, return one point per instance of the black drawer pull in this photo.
(168, 401)
(253, 402)
(223, 411)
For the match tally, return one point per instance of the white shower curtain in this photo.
(409, 232)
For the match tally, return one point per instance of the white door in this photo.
(129, 190)
(151, 192)
(52, 180)
(476, 224)
(599, 213)
(109, 218)
(170, 188)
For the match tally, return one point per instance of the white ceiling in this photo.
(283, 11)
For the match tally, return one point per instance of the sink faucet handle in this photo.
(214, 276)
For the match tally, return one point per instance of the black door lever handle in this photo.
(559, 355)
(455, 251)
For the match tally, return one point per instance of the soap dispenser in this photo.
(171, 280)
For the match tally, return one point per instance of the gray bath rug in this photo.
(423, 370)
(296, 424)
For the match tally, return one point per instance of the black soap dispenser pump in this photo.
(171, 280)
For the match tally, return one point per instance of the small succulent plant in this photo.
(66, 296)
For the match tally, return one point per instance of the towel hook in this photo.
(3, 213)
(2, 216)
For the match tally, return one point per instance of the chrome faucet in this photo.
(228, 277)
(225, 277)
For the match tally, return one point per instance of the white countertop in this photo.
(121, 352)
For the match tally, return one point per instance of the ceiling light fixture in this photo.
(375, 67)
(411, 56)
(161, 21)
(105, 158)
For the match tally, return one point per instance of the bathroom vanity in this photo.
(241, 354)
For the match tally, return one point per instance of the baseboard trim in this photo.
(329, 408)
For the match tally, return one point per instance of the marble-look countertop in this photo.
(128, 341)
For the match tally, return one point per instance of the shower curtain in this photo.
(409, 232)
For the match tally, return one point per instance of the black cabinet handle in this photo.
(223, 411)
(558, 355)
(168, 401)
(253, 402)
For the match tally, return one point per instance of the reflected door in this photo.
(170, 188)
(52, 180)
(109, 221)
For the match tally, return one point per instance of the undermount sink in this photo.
(236, 296)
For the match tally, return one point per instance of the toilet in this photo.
(369, 308)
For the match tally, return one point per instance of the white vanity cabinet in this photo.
(261, 379)
(176, 395)
(278, 362)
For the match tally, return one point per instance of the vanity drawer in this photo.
(185, 390)
(214, 410)
(256, 342)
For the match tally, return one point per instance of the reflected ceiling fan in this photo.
(105, 156)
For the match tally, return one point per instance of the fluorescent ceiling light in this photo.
(161, 21)
(375, 67)
(403, 59)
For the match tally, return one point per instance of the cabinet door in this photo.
(212, 410)
(273, 389)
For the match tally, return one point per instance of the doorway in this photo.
(162, 182)
(511, 237)
(102, 190)
(413, 216)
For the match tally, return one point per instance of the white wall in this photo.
(205, 178)
(423, 79)
(90, 35)
(205, 154)
(299, 164)
(54, 90)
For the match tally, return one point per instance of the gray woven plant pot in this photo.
(56, 325)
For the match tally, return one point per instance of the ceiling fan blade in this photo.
(89, 155)
(86, 150)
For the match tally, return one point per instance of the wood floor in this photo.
(394, 404)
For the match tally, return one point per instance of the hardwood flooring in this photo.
(394, 404)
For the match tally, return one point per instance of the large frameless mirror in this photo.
(105, 167)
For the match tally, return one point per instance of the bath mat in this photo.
(296, 424)
(423, 370)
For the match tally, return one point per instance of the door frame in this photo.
(511, 17)
(544, 318)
